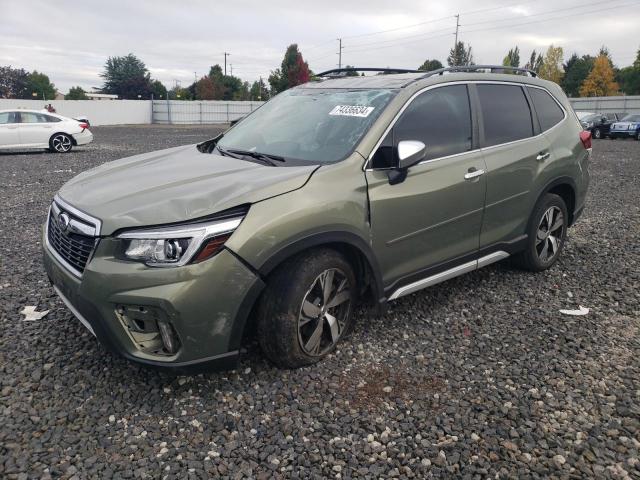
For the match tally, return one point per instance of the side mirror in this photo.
(410, 153)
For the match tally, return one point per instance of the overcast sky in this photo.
(70, 40)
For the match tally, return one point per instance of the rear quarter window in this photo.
(506, 116)
(548, 111)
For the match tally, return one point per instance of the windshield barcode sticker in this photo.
(351, 110)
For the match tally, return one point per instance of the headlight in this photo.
(176, 246)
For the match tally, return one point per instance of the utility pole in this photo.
(225, 62)
(457, 27)
(231, 66)
(340, 53)
(195, 77)
(260, 89)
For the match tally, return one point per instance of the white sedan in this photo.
(34, 129)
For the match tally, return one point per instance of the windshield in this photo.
(631, 118)
(309, 125)
(592, 117)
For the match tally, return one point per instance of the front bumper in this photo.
(207, 304)
(83, 137)
(622, 133)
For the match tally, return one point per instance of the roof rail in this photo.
(475, 68)
(337, 71)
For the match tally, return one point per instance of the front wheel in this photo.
(60, 143)
(306, 308)
(597, 133)
(546, 234)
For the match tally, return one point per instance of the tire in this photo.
(294, 323)
(597, 133)
(60, 143)
(536, 256)
(638, 135)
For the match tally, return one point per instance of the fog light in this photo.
(168, 336)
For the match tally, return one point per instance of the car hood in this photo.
(175, 185)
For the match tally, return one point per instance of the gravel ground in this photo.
(480, 376)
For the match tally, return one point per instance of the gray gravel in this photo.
(480, 376)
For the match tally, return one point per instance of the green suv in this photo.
(341, 190)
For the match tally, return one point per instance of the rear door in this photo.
(9, 130)
(435, 214)
(514, 152)
(34, 129)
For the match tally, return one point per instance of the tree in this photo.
(600, 82)
(576, 70)
(629, 77)
(351, 74)
(179, 93)
(76, 93)
(39, 84)
(460, 55)
(429, 65)
(259, 91)
(205, 89)
(293, 71)
(158, 89)
(13, 82)
(535, 62)
(126, 77)
(513, 58)
(552, 65)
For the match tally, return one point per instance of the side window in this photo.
(385, 154)
(506, 115)
(51, 119)
(8, 117)
(30, 117)
(549, 113)
(440, 118)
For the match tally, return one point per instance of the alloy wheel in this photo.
(550, 234)
(61, 143)
(597, 133)
(324, 312)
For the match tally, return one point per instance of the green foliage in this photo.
(512, 59)
(629, 77)
(39, 84)
(551, 68)
(460, 55)
(293, 71)
(13, 82)
(126, 77)
(158, 89)
(259, 91)
(351, 74)
(429, 65)
(76, 93)
(535, 62)
(179, 93)
(576, 70)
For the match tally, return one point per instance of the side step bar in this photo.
(448, 274)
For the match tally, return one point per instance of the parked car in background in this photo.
(599, 124)
(336, 191)
(627, 127)
(581, 115)
(36, 129)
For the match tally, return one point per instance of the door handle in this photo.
(543, 156)
(473, 173)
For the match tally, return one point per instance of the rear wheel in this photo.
(597, 133)
(638, 135)
(546, 234)
(60, 143)
(306, 308)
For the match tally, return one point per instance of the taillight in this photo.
(83, 125)
(585, 138)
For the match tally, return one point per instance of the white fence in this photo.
(190, 112)
(626, 104)
(99, 112)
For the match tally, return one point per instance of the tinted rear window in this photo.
(505, 114)
(547, 109)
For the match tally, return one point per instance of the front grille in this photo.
(74, 248)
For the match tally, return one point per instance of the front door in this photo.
(9, 129)
(435, 214)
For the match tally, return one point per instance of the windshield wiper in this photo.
(265, 157)
(225, 152)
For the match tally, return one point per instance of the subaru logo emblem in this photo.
(63, 222)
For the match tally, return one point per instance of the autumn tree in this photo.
(206, 89)
(76, 93)
(293, 71)
(600, 82)
(460, 55)
(551, 68)
(576, 70)
(429, 65)
(512, 59)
